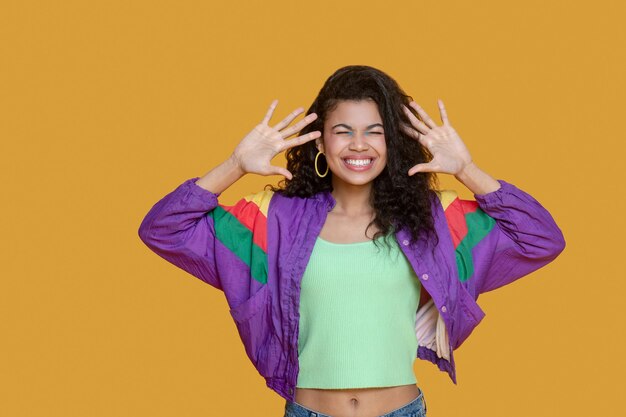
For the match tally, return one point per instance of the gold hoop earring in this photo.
(316, 170)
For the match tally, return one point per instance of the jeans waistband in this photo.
(294, 409)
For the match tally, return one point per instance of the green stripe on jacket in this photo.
(239, 240)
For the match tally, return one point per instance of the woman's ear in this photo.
(319, 144)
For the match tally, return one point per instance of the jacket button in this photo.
(405, 242)
(425, 277)
(444, 309)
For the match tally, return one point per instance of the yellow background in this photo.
(106, 106)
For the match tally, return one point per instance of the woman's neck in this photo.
(352, 200)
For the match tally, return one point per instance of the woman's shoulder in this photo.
(455, 207)
(446, 196)
(262, 198)
(451, 197)
(282, 194)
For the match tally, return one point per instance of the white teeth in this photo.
(359, 162)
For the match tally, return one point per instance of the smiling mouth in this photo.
(358, 164)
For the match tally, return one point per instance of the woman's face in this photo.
(353, 142)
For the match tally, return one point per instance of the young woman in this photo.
(319, 307)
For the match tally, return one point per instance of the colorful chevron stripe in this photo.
(468, 225)
(242, 228)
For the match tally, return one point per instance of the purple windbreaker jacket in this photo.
(256, 252)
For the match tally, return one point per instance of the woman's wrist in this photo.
(222, 176)
(477, 180)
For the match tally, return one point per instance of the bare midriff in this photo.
(357, 402)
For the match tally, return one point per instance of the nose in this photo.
(358, 141)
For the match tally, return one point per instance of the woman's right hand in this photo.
(256, 150)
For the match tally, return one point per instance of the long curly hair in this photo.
(399, 200)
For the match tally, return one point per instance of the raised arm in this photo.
(502, 235)
(181, 227)
(178, 229)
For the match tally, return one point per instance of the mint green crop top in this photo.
(357, 317)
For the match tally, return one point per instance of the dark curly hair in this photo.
(399, 200)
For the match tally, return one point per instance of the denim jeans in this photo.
(415, 408)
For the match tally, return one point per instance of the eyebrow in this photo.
(349, 127)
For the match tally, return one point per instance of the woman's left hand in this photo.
(450, 155)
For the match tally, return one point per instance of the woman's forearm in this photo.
(221, 177)
(477, 180)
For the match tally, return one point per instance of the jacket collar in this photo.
(325, 197)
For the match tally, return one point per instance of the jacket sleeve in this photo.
(223, 245)
(178, 229)
(501, 236)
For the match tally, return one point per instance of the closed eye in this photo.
(375, 133)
